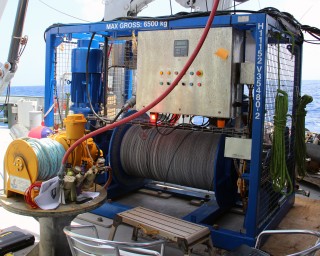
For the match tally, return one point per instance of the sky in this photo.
(31, 69)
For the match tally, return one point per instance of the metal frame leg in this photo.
(210, 247)
(116, 222)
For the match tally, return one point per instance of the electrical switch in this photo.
(199, 73)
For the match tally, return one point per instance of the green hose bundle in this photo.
(278, 166)
(299, 143)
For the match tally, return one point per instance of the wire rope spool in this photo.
(184, 157)
(123, 180)
(28, 160)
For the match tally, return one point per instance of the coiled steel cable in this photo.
(183, 157)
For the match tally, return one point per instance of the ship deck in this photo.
(304, 215)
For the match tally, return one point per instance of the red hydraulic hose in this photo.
(156, 101)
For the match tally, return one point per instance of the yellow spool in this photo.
(21, 166)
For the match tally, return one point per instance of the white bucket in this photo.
(35, 119)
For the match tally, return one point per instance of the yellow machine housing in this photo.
(21, 162)
(75, 129)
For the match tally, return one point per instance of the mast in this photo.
(17, 34)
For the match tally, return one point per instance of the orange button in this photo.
(169, 73)
(161, 73)
(199, 73)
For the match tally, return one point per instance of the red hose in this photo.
(156, 101)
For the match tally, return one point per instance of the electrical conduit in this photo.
(156, 101)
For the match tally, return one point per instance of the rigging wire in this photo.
(69, 15)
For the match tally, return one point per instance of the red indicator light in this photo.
(153, 117)
(176, 72)
(199, 84)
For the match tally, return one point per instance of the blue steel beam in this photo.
(257, 125)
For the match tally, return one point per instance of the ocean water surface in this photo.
(310, 87)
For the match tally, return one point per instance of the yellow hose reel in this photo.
(21, 164)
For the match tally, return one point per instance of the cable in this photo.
(129, 104)
(156, 101)
(31, 193)
(278, 166)
(299, 143)
(275, 13)
(61, 11)
(49, 154)
(163, 158)
(87, 80)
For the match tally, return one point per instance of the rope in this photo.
(299, 143)
(181, 157)
(49, 154)
(278, 166)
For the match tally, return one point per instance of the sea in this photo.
(309, 87)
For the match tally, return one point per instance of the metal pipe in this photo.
(17, 34)
(105, 76)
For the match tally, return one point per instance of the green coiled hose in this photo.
(278, 166)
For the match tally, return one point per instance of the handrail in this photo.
(307, 251)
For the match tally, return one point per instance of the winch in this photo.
(29, 160)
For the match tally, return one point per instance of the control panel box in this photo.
(206, 87)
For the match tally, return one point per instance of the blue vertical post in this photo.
(128, 83)
(49, 78)
(257, 125)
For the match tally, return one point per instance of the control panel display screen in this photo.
(181, 48)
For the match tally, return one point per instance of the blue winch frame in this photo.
(258, 24)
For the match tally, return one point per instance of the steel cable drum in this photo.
(183, 157)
